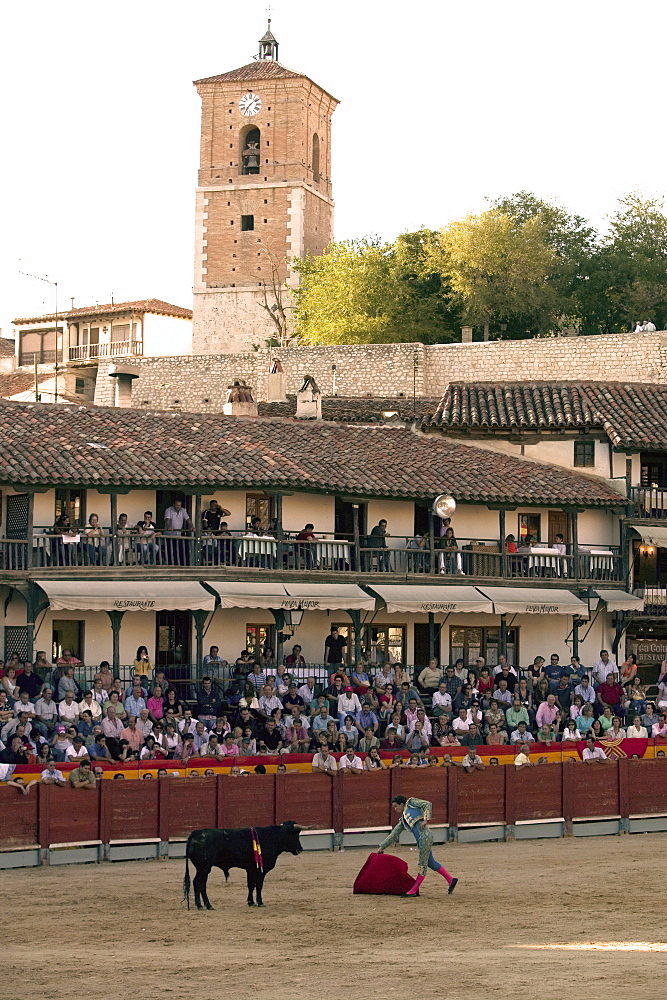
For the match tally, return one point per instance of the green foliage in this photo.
(525, 267)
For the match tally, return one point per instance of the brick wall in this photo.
(199, 382)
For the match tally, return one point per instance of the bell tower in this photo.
(263, 196)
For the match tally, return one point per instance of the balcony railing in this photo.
(117, 349)
(649, 502)
(326, 554)
(655, 602)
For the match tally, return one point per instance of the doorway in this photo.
(67, 634)
(172, 642)
(421, 656)
(164, 499)
(344, 515)
(558, 525)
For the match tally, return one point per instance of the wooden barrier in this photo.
(168, 809)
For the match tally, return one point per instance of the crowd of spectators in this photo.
(262, 710)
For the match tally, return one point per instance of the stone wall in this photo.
(199, 382)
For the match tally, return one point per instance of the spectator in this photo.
(113, 730)
(208, 703)
(272, 737)
(417, 739)
(442, 701)
(585, 690)
(295, 658)
(585, 720)
(212, 658)
(546, 734)
(521, 734)
(78, 750)
(292, 699)
(135, 701)
(46, 714)
(506, 673)
(592, 753)
(297, 737)
(268, 702)
(309, 692)
(549, 712)
(373, 761)
(616, 732)
(142, 663)
(68, 709)
(426, 722)
(636, 730)
(98, 749)
(496, 737)
(377, 540)
(365, 717)
(387, 703)
(211, 748)
(384, 676)
(472, 738)
(610, 695)
(570, 732)
(553, 670)
(522, 758)
(350, 762)
(515, 714)
(430, 677)
(604, 666)
(51, 776)
(15, 753)
(660, 727)
(494, 715)
(472, 761)
(348, 704)
(30, 682)
(369, 741)
(334, 647)
(391, 741)
(324, 762)
(67, 683)
(83, 777)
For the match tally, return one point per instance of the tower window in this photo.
(247, 223)
(250, 140)
(316, 157)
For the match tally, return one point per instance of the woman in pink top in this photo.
(155, 704)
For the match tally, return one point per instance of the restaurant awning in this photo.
(291, 596)
(436, 599)
(525, 601)
(329, 597)
(619, 600)
(651, 535)
(102, 595)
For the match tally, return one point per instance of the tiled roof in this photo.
(261, 69)
(633, 415)
(11, 383)
(358, 409)
(142, 305)
(99, 446)
(7, 347)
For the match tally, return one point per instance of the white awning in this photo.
(249, 595)
(291, 596)
(328, 597)
(651, 535)
(619, 600)
(444, 599)
(103, 595)
(525, 601)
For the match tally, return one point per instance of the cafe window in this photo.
(584, 454)
(380, 644)
(258, 637)
(467, 643)
(529, 528)
(72, 503)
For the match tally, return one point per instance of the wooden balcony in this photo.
(237, 556)
(650, 503)
(117, 349)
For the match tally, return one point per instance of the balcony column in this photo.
(431, 635)
(279, 618)
(433, 567)
(574, 535)
(113, 500)
(29, 530)
(116, 619)
(502, 645)
(503, 535)
(356, 623)
(575, 636)
(199, 618)
(279, 530)
(35, 604)
(196, 541)
(357, 547)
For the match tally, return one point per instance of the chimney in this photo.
(309, 400)
(124, 376)
(466, 335)
(239, 400)
(275, 383)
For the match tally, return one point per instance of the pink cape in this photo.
(383, 875)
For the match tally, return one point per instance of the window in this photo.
(249, 159)
(584, 454)
(67, 634)
(39, 346)
(72, 503)
(257, 505)
(258, 637)
(467, 643)
(653, 471)
(247, 223)
(529, 528)
(80, 386)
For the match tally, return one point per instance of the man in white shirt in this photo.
(592, 753)
(636, 731)
(307, 692)
(348, 704)
(461, 724)
(586, 691)
(324, 761)
(269, 702)
(442, 701)
(51, 775)
(472, 761)
(68, 709)
(350, 762)
(502, 662)
(605, 665)
(425, 721)
(77, 750)
(522, 758)
(521, 734)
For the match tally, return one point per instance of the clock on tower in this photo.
(263, 196)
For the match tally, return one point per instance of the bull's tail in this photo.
(186, 877)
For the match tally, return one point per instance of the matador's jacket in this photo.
(414, 811)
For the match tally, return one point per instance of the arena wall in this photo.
(199, 382)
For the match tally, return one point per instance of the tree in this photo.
(366, 291)
(499, 269)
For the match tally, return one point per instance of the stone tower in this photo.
(263, 199)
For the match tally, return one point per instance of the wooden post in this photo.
(575, 543)
(337, 782)
(113, 499)
(196, 540)
(44, 809)
(279, 530)
(509, 772)
(624, 793)
(575, 636)
(355, 526)
(568, 773)
(29, 531)
(432, 561)
(116, 619)
(279, 798)
(279, 617)
(501, 531)
(356, 624)
(106, 791)
(502, 651)
(163, 797)
(199, 618)
(453, 801)
(431, 635)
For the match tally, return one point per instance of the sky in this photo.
(443, 105)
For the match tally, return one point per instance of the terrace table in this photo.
(600, 564)
(543, 562)
(330, 553)
(257, 551)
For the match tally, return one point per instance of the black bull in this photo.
(234, 849)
